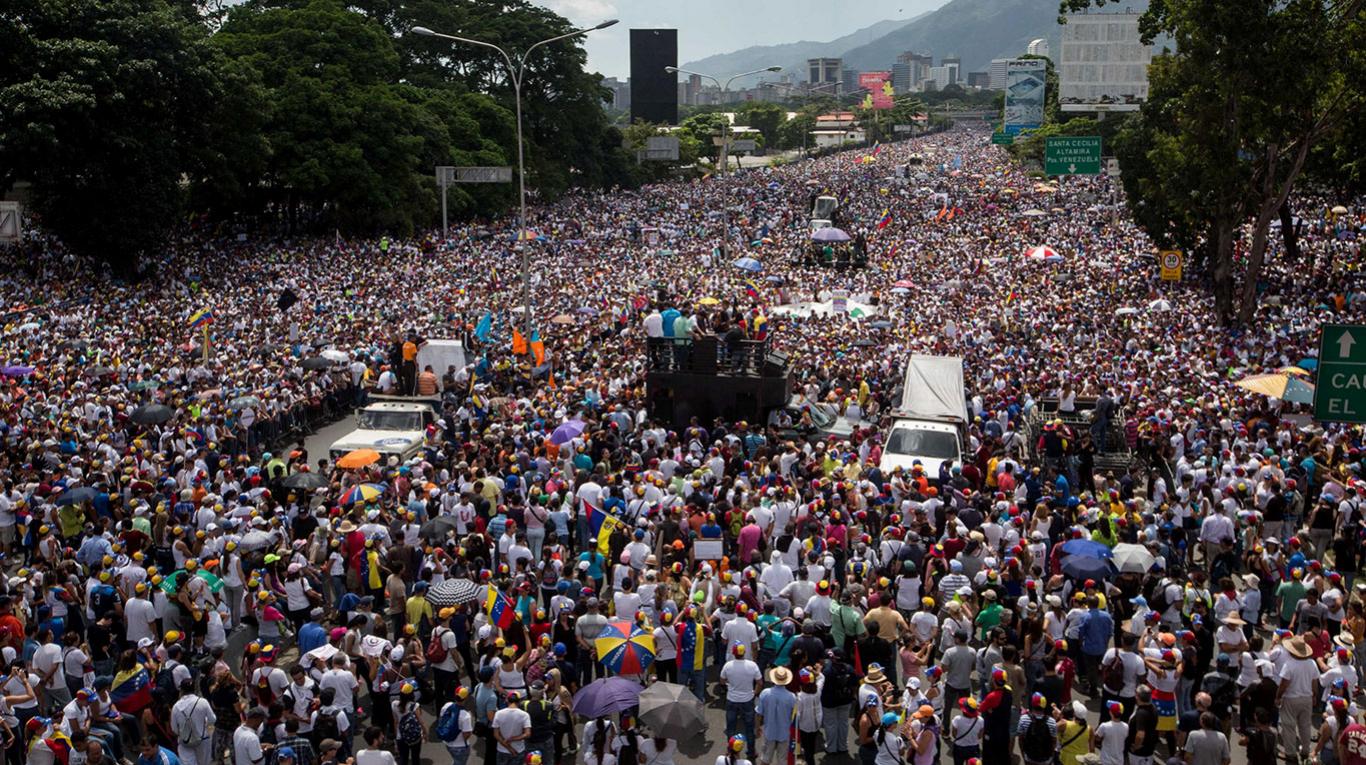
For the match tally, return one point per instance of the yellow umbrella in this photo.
(1279, 386)
(709, 301)
(1294, 371)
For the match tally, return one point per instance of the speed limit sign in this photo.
(1171, 265)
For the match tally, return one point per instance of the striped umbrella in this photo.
(625, 647)
(366, 492)
(453, 592)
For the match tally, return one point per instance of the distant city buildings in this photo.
(821, 71)
(1038, 47)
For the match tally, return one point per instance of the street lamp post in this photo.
(725, 129)
(725, 135)
(517, 76)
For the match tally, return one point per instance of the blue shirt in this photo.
(1096, 631)
(163, 756)
(93, 549)
(776, 704)
(485, 702)
(669, 315)
(311, 635)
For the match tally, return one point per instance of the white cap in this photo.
(396, 653)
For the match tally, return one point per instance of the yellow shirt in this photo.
(1074, 738)
(417, 608)
(372, 559)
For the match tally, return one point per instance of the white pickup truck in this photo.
(392, 428)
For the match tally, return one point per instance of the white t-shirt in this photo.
(889, 749)
(464, 727)
(1301, 673)
(48, 658)
(343, 683)
(246, 747)
(374, 757)
(140, 615)
(1111, 735)
(740, 675)
(511, 721)
(657, 756)
(1134, 669)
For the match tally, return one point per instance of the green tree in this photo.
(1229, 126)
(107, 104)
(763, 116)
(349, 146)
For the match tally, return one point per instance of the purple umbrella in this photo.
(567, 432)
(606, 696)
(830, 235)
(16, 371)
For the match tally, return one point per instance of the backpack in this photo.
(163, 686)
(448, 726)
(541, 722)
(436, 649)
(1037, 744)
(409, 729)
(1158, 600)
(326, 726)
(1112, 675)
(840, 686)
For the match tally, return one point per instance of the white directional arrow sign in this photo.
(1072, 168)
(1345, 343)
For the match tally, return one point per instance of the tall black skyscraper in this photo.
(654, 92)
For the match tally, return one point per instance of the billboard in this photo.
(1103, 66)
(879, 87)
(654, 92)
(1025, 89)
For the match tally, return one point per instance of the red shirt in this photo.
(11, 631)
(1352, 745)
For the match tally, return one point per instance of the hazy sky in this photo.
(706, 27)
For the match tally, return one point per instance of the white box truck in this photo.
(930, 425)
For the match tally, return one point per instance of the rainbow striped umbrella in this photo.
(625, 647)
(366, 492)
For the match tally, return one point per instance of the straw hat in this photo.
(1298, 648)
(780, 676)
(1234, 620)
(874, 676)
(346, 527)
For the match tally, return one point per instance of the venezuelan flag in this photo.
(600, 525)
(200, 318)
(751, 289)
(132, 690)
(885, 219)
(501, 611)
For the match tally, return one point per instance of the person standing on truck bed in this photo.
(408, 371)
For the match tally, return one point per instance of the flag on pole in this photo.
(885, 219)
(893, 250)
(501, 611)
(200, 318)
(484, 328)
(751, 289)
(877, 148)
(600, 526)
(518, 343)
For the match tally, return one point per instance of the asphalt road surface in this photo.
(702, 749)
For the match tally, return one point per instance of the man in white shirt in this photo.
(343, 683)
(511, 728)
(192, 720)
(742, 679)
(1294, 698)
(140, 615)
(47, 663)
(246, 743)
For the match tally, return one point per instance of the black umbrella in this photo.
(317, 362)
(438, 527)
(76, 496)
(453, 592)
(152, 414)
(308, 481)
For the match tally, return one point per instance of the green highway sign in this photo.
(1002, 139)
(1072, 155)
(1340, 395)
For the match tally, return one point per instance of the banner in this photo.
(1025, 91)
(879, 87)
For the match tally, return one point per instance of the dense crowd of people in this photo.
(190, 585)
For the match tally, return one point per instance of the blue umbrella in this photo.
(1086, 548)
(749, 264)
(830, 235)
(567, 432)
(1079, 567)
(1310, 363)
(606, 696)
